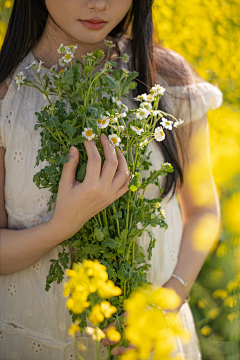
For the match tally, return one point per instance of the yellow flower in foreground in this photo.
(97, 334)
(113, 335)
(108, 289)
(213, 313)
(107, 309)
(149, 327)
(74, 328)
(206, 330)
(96, 315)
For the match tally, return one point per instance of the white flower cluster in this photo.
(68, 52)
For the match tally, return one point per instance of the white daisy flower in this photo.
(167, 124)
(46, 95)
(109, 43)
(157, 205)
(140, 97)
(61, 49)
(19, 79)
(142, 114)
(146, 105)
(54, 67)
(136, 129)
(71, 48)
(122, 115)
(125, 58)
(31, 65)
(67, 57)
(155, 112)
(115, 100)
(148, 97)
(122, 127)
(159, 133)
(163, 213)
(88, 133)
(115, 140)
(157, 90)
(125, 108)
(39, 66)
(103, 122)
(121, 146)
(144, 143)
(177, 123)
(61, 63)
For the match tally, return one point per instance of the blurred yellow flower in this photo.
(97, 333)
(96, 315)
(222, 294)
(213, 313)
(113, 335)
(231, 213)
(206, 330)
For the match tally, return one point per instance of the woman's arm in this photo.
(199, 205)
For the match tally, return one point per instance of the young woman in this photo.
(34, 323)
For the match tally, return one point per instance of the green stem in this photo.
(98, 350)
(117, 221)
(133, 252)
(53, 135)
(105, 218)
(109, 352)
(100, 221)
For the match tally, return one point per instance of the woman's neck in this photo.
(46, 48)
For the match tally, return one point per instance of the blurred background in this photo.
(207, 34)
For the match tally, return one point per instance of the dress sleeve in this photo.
(1, 141)
(190, 102)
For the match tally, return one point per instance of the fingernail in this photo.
(104, 136)
(72, 150)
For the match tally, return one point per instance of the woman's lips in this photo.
(93, 26)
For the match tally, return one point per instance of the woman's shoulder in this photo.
(173, 67)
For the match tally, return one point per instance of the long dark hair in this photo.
(27, 23)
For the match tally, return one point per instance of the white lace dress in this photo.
(34, 323)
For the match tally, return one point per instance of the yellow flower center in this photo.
(20, 78)
(46, 93)
(61, 72)
(89, 133)
(162, 133)
(137, 128)
(70, 46)
(114, 140)
(104, 121)
(68, 56)
(100, 121)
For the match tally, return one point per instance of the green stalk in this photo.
(109, 352)
(53, 135)
(117, 221)
(100, 221)
(98, 350)
(105, 218)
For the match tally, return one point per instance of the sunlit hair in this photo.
(27, 23)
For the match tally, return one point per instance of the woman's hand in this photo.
(117, 350)
(78, 202)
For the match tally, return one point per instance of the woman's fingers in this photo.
(121, 349)
(94, 162)
(123, 174)
(111, 163)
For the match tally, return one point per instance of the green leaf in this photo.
(117, 215)
(112, 243)
(98, 234)
(82, 172)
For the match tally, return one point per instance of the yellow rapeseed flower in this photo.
(96, 315)
(113, 335)
(206, 330)
(222, 294)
